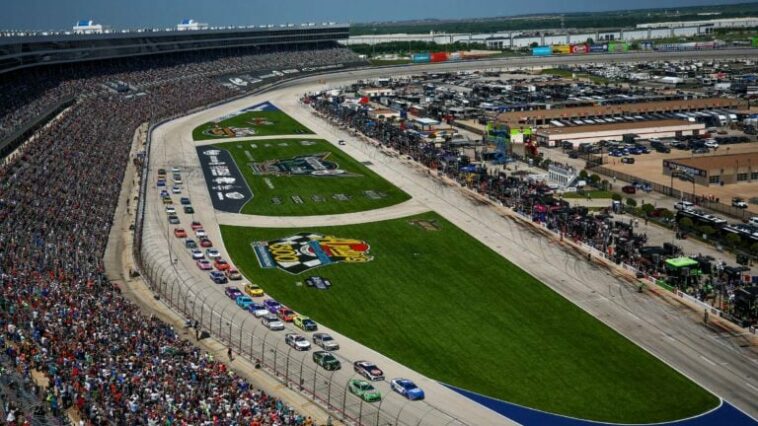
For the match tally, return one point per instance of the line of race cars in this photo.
(273, 315)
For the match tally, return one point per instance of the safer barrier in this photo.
(216, 314)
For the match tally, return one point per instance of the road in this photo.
(714, 359)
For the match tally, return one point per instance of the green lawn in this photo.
(261, 123)
(444, 304)
(596, 194)
(268, 187)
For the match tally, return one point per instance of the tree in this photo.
(616, 196)
(533, 45)
(707, 231)
(604, 184)
(732, 239)
(667, 214)
(631, 202)
(594, 178)
(647, 208)
(754, 249)
(686, 223)
(583, 174)
(590, 41)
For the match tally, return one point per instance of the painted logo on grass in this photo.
(305, 251)
(302, 165)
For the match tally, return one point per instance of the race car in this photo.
(297, 341)
(204, 265)
(205, 242)
(196, 225)
(325, 341)
(190, 244)
(326, 360)
(221, 264)
(161, 183)
(170, 210)
(364, 390)
(272, 305)
(232, 292)
(197, 254)
(212, 253)
(218, 277)
(180, 233)
(176, 170)
(304, 323)
(243, 301)
(161, 172)
(257, 309)
(233, 274)
(285, 314)
(253, 290)
(407, 389)
(271, 322)
(176, 189)
(368, 370)
(189, 210)
(200, 233)
(174, 220)
(185, 201)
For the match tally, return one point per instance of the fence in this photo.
(198, 301)
(678, 194)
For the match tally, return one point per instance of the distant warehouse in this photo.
(554, 136)
(716, 169)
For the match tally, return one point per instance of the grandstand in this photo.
(24, 51)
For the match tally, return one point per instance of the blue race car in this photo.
(272, 305)
(407, 389)
(244, 301)
(218, 277)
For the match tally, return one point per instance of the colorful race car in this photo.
(407, 389)
(243, 301)
(271, 322)
(221, 264)
(304, 323)
(325, 341)
(205, 242)
(285, 314)
(364, 390)
(204, 265)
(196, 225)
(232, 292)
(218, 277)
(368, 370)
(257, 309)
(297, 341)
(326, 360)
(253, 290)
(272, 305)
(180, 233)
(233, 274)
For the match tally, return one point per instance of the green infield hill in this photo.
(293, 177)
(259, 120)
(437, 300)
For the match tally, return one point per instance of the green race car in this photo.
(304, 323)
(365, 390)
(327, 360)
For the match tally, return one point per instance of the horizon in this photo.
(46, 15)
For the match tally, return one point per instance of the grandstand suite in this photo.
(69, 107)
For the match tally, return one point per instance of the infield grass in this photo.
(267, 187)
(447, 306)
(264, 123)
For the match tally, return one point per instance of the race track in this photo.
(714, 359)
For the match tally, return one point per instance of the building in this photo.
(87, 27)
(545, 116)
(190, 25)
(716, 169)
(554, 136)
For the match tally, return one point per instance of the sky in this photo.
(62, 14)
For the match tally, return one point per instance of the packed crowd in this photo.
(24, 96)
(617, 239)
(59, 315)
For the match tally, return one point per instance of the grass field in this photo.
(266, 187)
(262, 123)
(447, 306)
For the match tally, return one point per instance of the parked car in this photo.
(368, 370)
(629, 189)
(407, 388)
(271, 322)
(739, 203)
(627, 160)
(684, 205)
(325, 341)
(364, 390)
(297, 342)
(327, 361)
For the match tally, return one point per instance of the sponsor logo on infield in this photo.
(305, 251)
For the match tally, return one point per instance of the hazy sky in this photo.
(61, 14)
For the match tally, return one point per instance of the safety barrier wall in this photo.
(218, 315)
